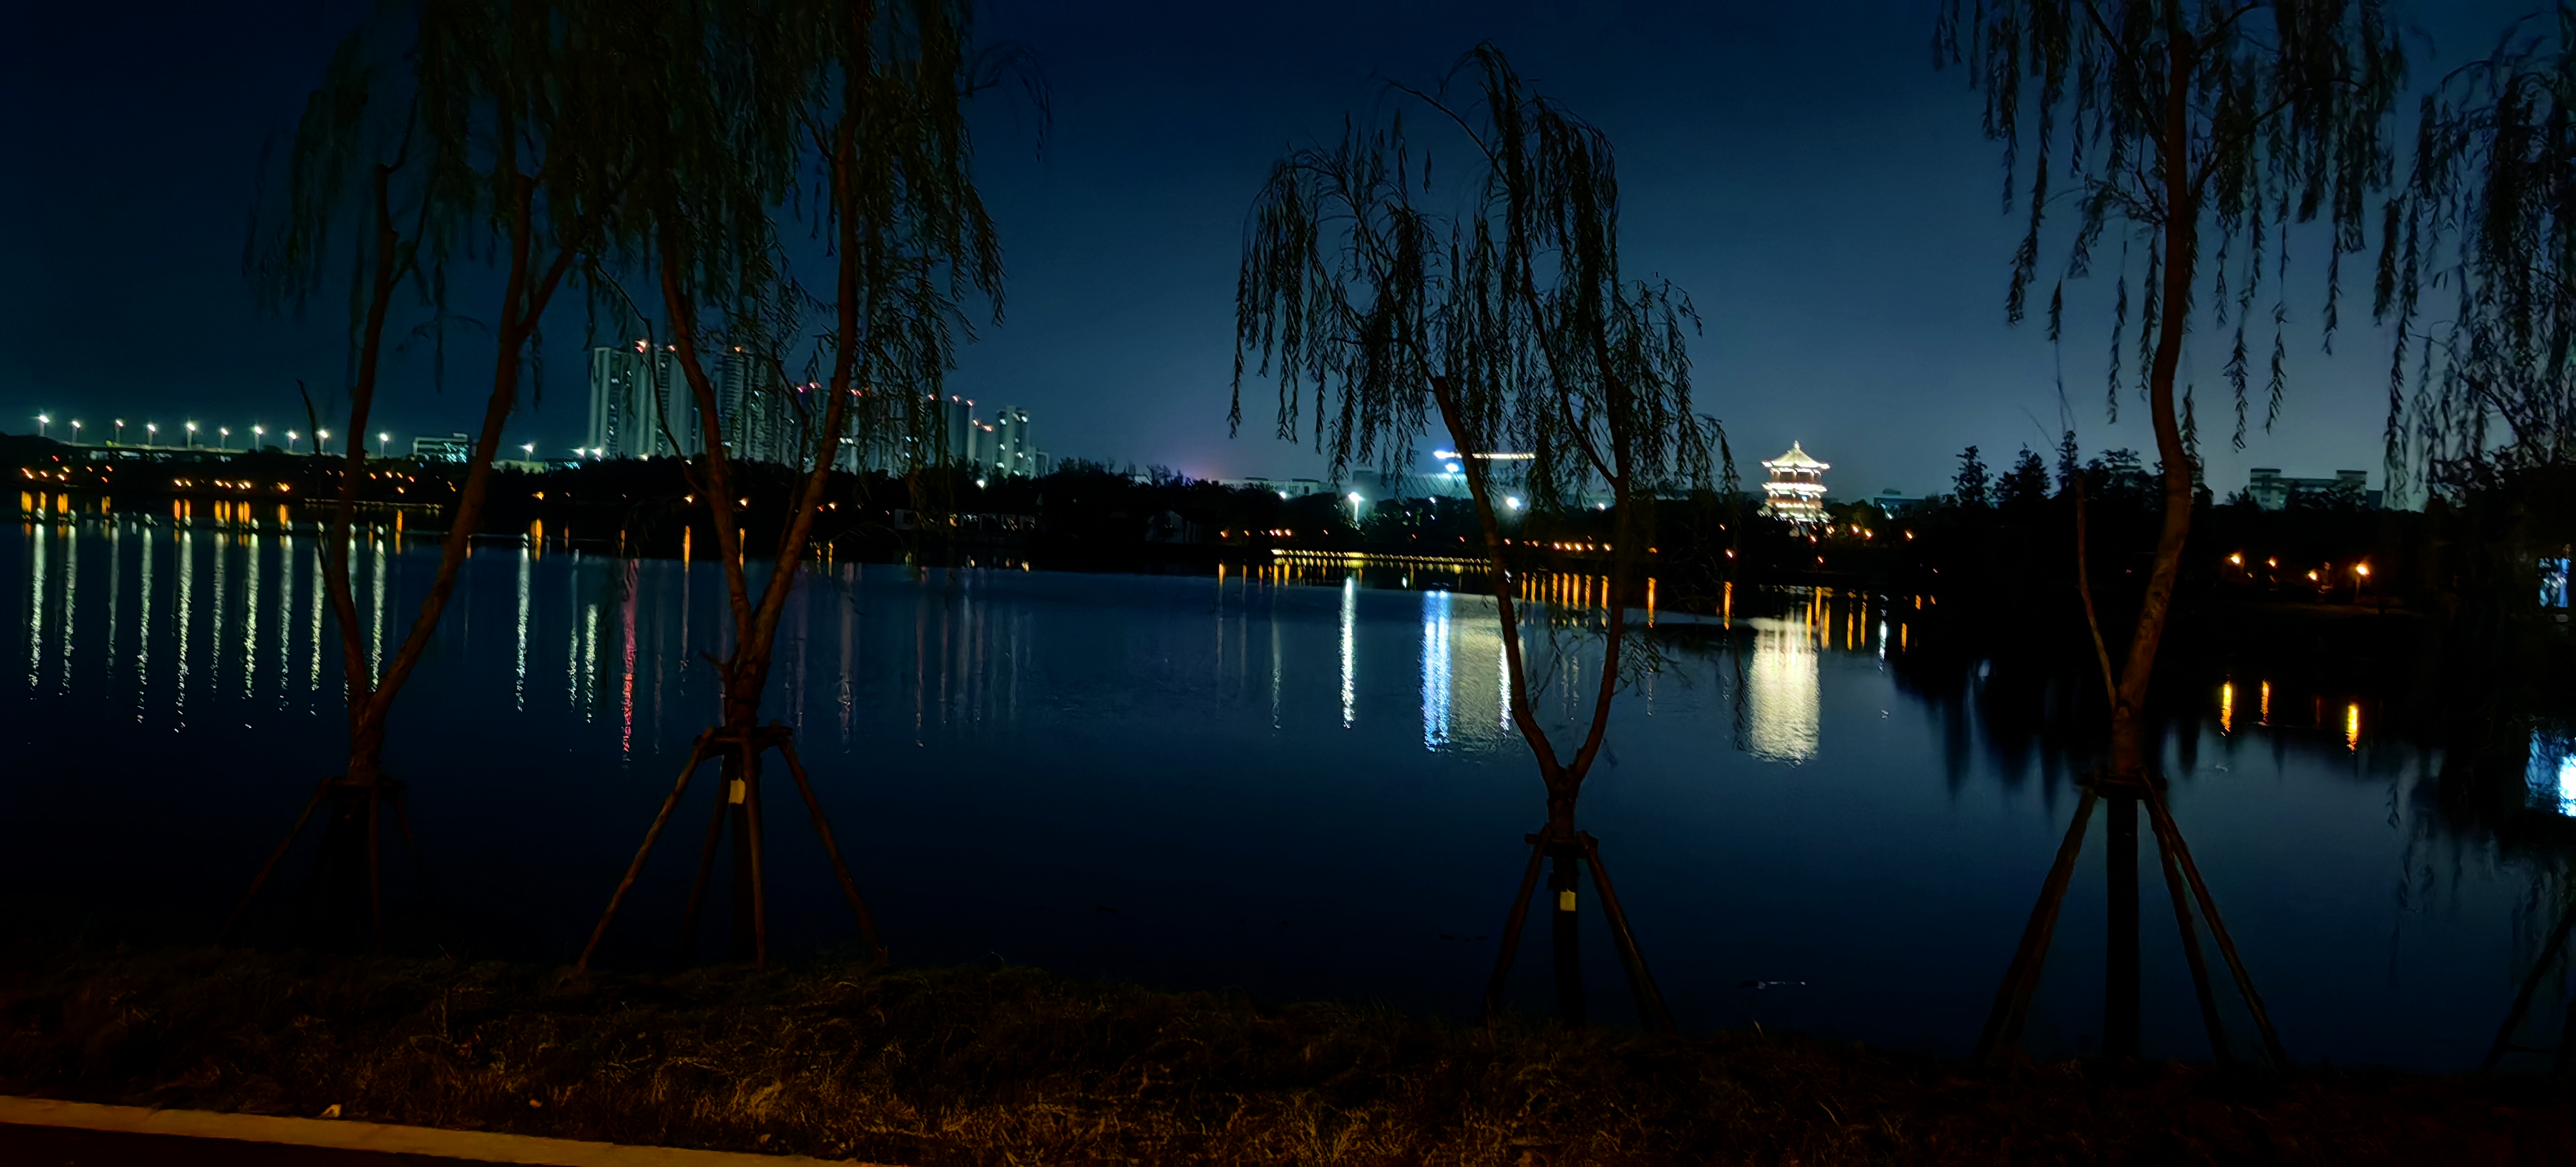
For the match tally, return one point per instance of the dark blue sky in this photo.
(1799, 169)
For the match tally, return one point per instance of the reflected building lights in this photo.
(1783, 692)
(143, 627)
(519, 666)
(183, 561)
(250, 620)
(1350, 651)
(2352, 726)
(2552, 773)
(1435, 669)
(2227, 707)
(71, 601)
(36, 578)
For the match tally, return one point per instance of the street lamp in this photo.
(224, 436)
(529, 449)
(120, 429)
(381, 439)
(256, 433)
(1513, 503)
(151, 431)
(321, 441)
(1355, 508)
(41, 422)
(292, 437)
(76, 429)
(192, 435)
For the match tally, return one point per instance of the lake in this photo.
(1297, 784)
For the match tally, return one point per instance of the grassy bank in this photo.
(1016, 1066)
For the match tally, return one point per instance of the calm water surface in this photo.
(1304, 791)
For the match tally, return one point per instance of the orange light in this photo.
(2238, 560)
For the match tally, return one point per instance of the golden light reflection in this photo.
(2227, 707)
(2352, 726)
(2263, 710)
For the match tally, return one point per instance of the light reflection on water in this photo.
(1244, 781)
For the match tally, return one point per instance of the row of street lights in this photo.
(223, 435)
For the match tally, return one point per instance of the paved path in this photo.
(49, 1146)
(38, 1132)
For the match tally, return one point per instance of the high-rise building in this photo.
(641, 407)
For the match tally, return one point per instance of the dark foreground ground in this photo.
(1016, 1066)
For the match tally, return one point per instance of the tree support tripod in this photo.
(357, 797)
(2004, 1023)
(1572, 850)
(740, 749)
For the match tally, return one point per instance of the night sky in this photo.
(1800, 169)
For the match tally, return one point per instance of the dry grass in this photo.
(1016, 1066)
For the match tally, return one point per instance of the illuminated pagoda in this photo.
(1796, 489)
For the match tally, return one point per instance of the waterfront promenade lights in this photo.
(256, 433)
(120, 429)
(292, 437)
(224, 437)
(321, 441)
(151, 433)
(41, 422)
(75, 429)
(192, 435)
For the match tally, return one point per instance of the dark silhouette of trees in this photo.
(1972, 486)
(2025, 486)
(1514, 325)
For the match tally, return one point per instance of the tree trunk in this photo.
(2181, 244)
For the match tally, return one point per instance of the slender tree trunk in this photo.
(365, 737)
(2181, 242)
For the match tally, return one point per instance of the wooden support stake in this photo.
(1519, 915)
(751, 817)
(2530, 985)
(2200, 985)
(832, 849)
(1652, 1014)
(706, 876)
(2012, 997)
(2120, 919)
(697, 753)
(1567, 936)
(321, 791)
(2171, 835)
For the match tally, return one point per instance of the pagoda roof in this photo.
(1795, 459)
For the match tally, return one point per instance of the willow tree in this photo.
(2482, 385)
(2484, 389)
(512, 140)
(1508, 319)
(2200, 132)
(873, 96)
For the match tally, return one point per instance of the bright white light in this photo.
(1513, 503)
(1454, 468)
(1355, 496)
(1282, 494)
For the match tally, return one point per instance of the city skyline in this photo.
(1847, 250)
